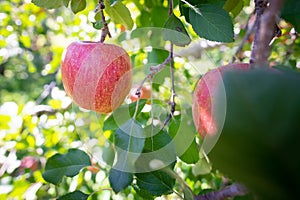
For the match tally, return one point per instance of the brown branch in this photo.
(260, 6)
(230, 191)
(265, 30)
(105, 31)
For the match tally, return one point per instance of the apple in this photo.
(145, 93)
(204, 93)
(96, 76)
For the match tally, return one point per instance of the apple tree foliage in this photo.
(50, 148)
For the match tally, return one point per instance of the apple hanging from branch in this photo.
(96, 76)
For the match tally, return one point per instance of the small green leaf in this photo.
(66, 3)
(212, 23)
(68, 164)
(175, 32)
(119, 179)
(48, 3)
(143, 193)
(78, 5)
(97, 25)
(122, 115)
(78, 195)
(120, 14)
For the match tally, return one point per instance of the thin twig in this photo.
(230, 191)
(154, 70)
(105, 31)
(249, 30)
(173, 95)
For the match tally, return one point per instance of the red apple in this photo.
(145, 93)
(204, 93)
(96, 76)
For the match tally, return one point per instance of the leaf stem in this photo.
(105, 31)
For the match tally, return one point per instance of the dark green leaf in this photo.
(68, 164)
(182, 127)
(48, 3)
(122, 115)
(175, 32)
(78, 195)
(290, 13)
(129, 144)
(78, 5)
(143, 193)
(120, 14)
(119, 179)
(212, 23)
(113, 1)
(66, 2)
(157, 182)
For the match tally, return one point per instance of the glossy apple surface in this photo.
(96, 76)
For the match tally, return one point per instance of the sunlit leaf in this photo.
(175, 31)
(48, 3)
(68, 164)
(212, 23)
(78, 5)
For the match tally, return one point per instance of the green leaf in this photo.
(290, 13)
(120, 14)
(188, 194)
(175, 32)
(97, 25)
(78, 5)
(68, 164)
(156, 182)
(48, 3)
(129, 143)
(234, 6)
(66, 3)
(78, 195)
(119, 179)
(121, 115)
(212, 23)
(182, 127)
(143, 193)
(113, 1)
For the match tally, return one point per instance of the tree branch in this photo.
(266, 29)
(105, 30)
(230, 191)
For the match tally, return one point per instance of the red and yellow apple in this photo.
(205, 91)
(96, 76)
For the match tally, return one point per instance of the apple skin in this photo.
(205, 91)
(145, 93)
(96, 76)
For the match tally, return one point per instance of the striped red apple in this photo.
(96, 76)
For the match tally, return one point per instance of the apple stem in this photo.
(105, 31)
(265, 24)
